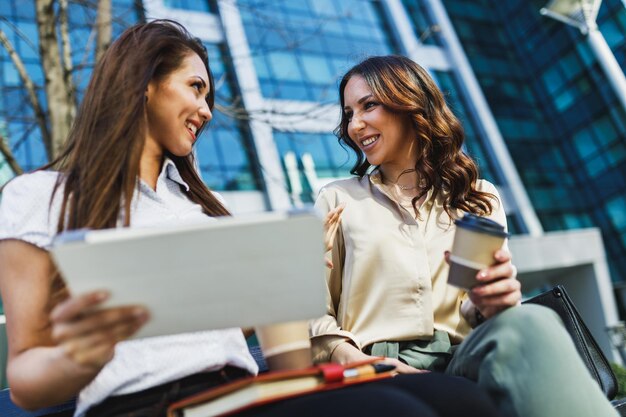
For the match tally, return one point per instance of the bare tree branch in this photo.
(8, 156)
(67, 56)
(103, 28)
(61, 107)
(30, 89)
(19, 33)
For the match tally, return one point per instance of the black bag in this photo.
(558, 300)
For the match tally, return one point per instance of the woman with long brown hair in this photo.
(129, 163)
(390, 228)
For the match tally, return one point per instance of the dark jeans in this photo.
(153, 402)
(421, 395)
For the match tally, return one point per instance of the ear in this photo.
(150, 90)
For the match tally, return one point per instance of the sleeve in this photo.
(326, 334)
(25, 210)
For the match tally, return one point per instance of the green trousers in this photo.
(523, 357)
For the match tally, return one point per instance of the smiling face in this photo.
(177, 109)
(386, 138)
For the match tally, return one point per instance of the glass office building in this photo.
(561, 120)
(540, 117)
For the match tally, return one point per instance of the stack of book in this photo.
(274, 386)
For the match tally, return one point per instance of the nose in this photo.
(356, 123)
(205, 113)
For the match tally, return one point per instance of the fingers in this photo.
(499, 288)
(97, 320)
(503, 268)
(401, 367)
(331, 224)
(509, 296)
(334, 215)
(87, 333)
(95, 349)
(496, 296)
(330, 234)
(502, 255)
(74, 306)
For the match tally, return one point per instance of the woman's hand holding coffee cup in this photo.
(499, 288)
(481, 264)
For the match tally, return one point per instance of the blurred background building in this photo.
(541, 115)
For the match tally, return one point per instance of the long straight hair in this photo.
(100, 163)
(404, 87)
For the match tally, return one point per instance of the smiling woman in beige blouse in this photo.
(387, 279)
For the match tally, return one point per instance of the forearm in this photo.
(45, 376)
(326, 335)
(346, 352)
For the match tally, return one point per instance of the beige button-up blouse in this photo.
(389, 281)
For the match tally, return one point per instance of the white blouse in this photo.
(26, 214)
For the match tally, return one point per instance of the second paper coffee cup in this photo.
(285, 345)
(475, 241)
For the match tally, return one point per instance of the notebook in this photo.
(233, 272)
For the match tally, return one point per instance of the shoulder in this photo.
(338, 191)
(31, 181)
(345, 186)
(29, 188)
(498, 212)
(486, 187)
(26, 209)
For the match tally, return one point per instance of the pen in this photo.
(369, 369)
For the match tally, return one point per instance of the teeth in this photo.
(369, 141)
(191, 127)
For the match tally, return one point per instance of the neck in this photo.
(405, 178)
(150, 165)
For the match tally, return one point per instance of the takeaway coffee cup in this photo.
(475, 241)
(285, 345)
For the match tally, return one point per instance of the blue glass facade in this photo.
(224, 151)
(301, 48)
(560, 118)
(426, 31)
(194, 5)
(331, 160)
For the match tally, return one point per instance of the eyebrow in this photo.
(361, 100)
(201, 80)
(204, 85)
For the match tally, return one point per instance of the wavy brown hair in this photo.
(404, 87)
(100, 163)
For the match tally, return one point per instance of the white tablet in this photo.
(233, 272)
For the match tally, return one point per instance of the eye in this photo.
(197, 85)
(348, 115)
(369, 105)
